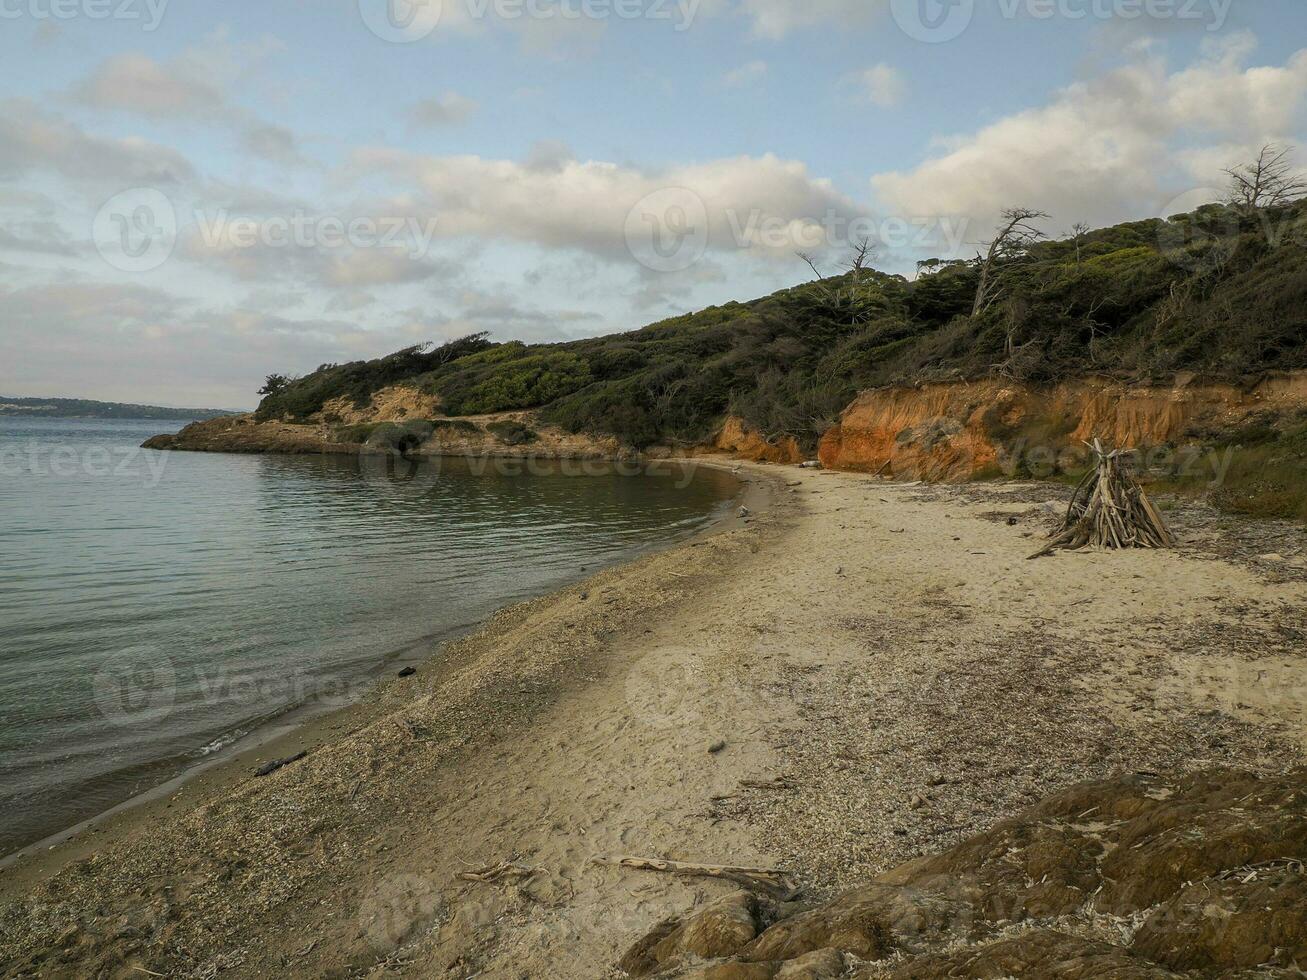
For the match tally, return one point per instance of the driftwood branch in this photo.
(268, 768)
(771, 880)
(497, 872)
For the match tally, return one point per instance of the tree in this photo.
(1270, 181)
(1012, 243)
(849, 294)
(1078, 231)
(274, 384)
(473, 343)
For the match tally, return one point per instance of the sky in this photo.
(196, 194)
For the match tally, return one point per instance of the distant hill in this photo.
(83, 408)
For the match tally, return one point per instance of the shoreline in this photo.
(304, 725)
(857, 646)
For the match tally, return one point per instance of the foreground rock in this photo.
(1137, 877)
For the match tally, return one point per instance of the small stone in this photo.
(917, 802)
(716, 747)
(408, 672)
(745, 512)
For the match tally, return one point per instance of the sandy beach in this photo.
(856, 673)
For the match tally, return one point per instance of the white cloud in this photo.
(192, 87)
(1114, 148)
(882, 85)
(32, 140)
(139, 84)
(774, 19)
(42, 237)
(586, 204)
(115, 341)
(269, 252)
(748, 74)
(443, 110)
(274, 143)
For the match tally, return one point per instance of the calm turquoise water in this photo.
(156, 606)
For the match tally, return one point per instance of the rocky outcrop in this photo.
(245, 434)
(963, 430)
(1136, 877)
(510, 434)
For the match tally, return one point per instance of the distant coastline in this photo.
(85, 408)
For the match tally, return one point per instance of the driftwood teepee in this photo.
(1109, 510)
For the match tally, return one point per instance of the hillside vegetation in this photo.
(1221, 292)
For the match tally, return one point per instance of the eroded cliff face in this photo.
(392, 404)
(737, 438)
(955, 432)
(940, 432)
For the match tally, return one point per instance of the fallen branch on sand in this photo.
(268, 768)
(497, 872)
(1109, 509)
(771, 880)
(779, 783)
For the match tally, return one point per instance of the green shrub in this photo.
(512, 433)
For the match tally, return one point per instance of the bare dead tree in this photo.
(1015, 237)
(812, 263)
(1270, 181)
(848, 293)
(1078, 231)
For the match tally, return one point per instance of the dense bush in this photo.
(1221, 292)
(512, 433)
(359, 380)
